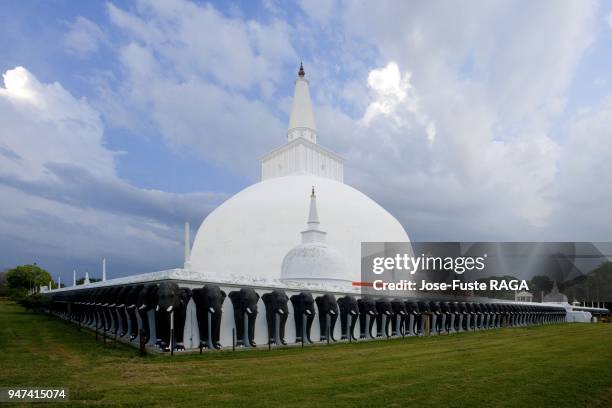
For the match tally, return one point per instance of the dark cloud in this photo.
(76, 186)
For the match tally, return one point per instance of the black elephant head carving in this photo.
(209, 302)
(131, 305)
(244, 302)
(328, 315)
(147, 300)
(349, 313)
(167, 296)
(383, 316)
(110, 301)
(171, 300)
(398, 323)
(121, 309)
(367, 316)
(277, 313)
(304, 313)
(180, 314)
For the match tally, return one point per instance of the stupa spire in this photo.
(313, 233)
(301, 122)
(313, 216)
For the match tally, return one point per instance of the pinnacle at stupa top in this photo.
(301, 122)
(301, 154)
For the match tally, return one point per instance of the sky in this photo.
(468, 121)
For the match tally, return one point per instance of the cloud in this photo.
(45, 123)
(63, 201)
(84, 37)
(202, 93)
(462, 142)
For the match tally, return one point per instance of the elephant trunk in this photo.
(210, 329)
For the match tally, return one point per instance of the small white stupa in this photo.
(313, 260)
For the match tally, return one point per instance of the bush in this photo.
(33, 302)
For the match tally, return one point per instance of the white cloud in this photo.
(43, 123)
(465, 135)
(202, 89)
(238, 54)
(62, 198)
(84, 37)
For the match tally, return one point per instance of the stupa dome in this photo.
(251, 232)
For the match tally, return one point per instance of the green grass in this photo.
(566, 365)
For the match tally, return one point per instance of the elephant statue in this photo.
(367, 316)
(245, 313)
(94, 309)
(171, 309)
(328, 315)
(472, 316)
(131, 306)
(446, 317)
(398, 321)
(107, 300)
(180, 316)
(209, 310)
(277, 313)
(383, 317)
(303, 313)
(464, 318)
(147, 300)
(349, 313)
(121, 309)
(414, 318)
(89, 308)
(113, 300)
(436, 317)
(425, 316)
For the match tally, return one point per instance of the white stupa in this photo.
(250, 233)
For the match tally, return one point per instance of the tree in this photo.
(540, 284)
(24, 277)
(4, 289)
(80, 281)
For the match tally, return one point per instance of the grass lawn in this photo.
(567, 365)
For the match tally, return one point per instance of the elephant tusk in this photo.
(121, 305)
(157, 308)
(280, 311)
(332, 312)
(142, 307)
(169, 309)
(308, 312)
(249, 311)
(211, 309)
